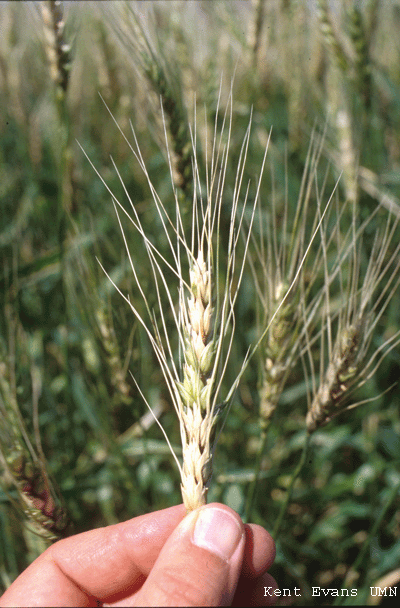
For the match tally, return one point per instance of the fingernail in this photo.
(217, 531)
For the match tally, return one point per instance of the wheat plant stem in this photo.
(62, 190)
(62, 228)
(295, 474)
(58, 58)
(352, 572)
(254, 483)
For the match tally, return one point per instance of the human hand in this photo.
(209, 558)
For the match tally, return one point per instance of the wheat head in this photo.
(204, 313)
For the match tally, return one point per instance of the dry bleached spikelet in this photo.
(204, 322)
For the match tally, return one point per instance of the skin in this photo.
(208, 558)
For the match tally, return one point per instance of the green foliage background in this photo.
(68, 341)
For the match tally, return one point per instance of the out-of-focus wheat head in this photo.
(161, 78)
(331, 37)
(255, 27)
(285, 281)
(57, 50)
(23, 468)
(203, 314)
(349, 82)
(362, 304)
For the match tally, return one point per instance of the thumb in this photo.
(200, 563)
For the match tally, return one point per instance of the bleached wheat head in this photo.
(203, 314)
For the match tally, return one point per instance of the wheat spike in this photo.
(330, 37)
(204, 317)
(282, 287)
(279, 353)
(23, 470)
(362, 62)
(58, 52)
(363, 306)
(340, 373)
(168, 87)
(255, 27)
(196, 388)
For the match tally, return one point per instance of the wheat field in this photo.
(200, 269)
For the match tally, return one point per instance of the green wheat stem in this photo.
(295, 474)
(58, 55)
(352, 573)
(257, 469)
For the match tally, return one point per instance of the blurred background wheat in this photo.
(78, 447)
